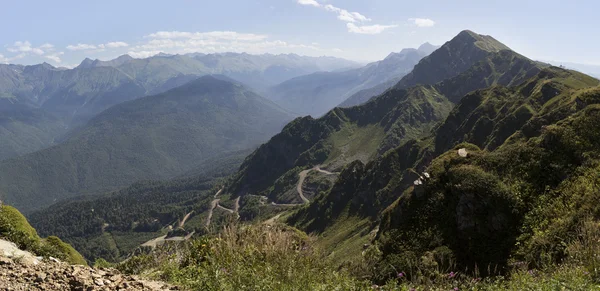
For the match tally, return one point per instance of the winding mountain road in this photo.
(300, 183)
(303, 177)
(185, 218)
(215, 204)
(226, 209)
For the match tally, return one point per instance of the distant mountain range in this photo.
(315, 94)
(50, 102)
(154, 137)
(258, 71)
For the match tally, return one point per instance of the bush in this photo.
(14, 227)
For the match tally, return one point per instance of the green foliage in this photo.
(245, 258)
(15, 228)
(114, 225)
(522, 201)
(69, 253)
(102, 263)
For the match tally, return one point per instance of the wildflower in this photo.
(375, 286)
(455, 289)
(451, 275)
(401, 275)
(203, 245)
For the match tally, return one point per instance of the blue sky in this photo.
(64, 32)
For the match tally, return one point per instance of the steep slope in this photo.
(365, 95)
(386, 122)
(523, 195)
(453, 58)
(457, 56)
(317, 93)
(154, 137)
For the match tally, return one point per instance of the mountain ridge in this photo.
(148, 138)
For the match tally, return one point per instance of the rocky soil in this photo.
(17, 274)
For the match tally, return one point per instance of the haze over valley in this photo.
(317, 145)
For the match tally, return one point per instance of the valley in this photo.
(226, 160)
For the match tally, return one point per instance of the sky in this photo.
(64, 32)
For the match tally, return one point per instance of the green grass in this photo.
(260, 257)
(354, 142)
(277, 257)
(344, 240)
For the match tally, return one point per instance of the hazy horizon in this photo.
(59, 32)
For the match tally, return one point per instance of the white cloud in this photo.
(368, 29)
(97, 48)
(180, 42)
(422, 22)
(309, 2)
(55, 57)
(37, 51)
(47, 46)
(352, 19)
(17, 57)
(337, 50)
(20, 46)
(81, 47)
(116, 44)
(3, 59)
(345, 15)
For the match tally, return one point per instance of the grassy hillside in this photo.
(521, 196)
(155, 137)
(502, 203)
(389, 120)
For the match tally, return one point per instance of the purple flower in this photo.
(401, 275)
(451, 275)
(455, 288)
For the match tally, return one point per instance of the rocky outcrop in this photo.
(19, 275)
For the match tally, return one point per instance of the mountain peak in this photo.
(427, 48)
(483, 42)
(86, 63)
(453, 58)
(125, 57)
